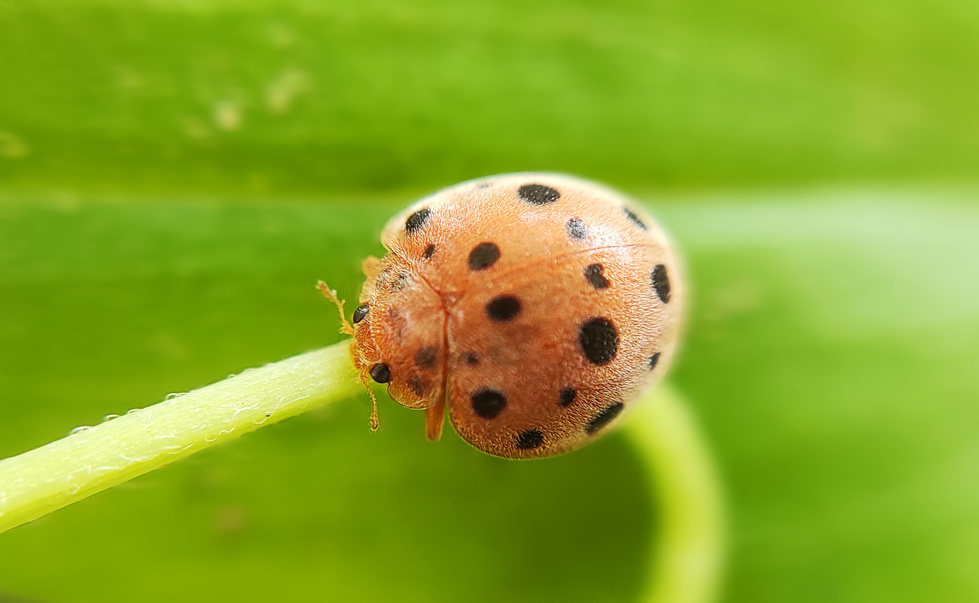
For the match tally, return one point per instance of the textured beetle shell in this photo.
(539, 305)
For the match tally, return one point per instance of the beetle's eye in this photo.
(360, 313)
(381, 373)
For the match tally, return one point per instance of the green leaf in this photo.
(829, 355)
(137, 299)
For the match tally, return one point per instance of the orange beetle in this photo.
(539, 305)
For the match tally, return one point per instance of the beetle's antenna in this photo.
(348, 329)
(363, 378)
(331, 295)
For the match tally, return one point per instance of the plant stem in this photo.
(688, 550)
(53, 476)
(685, 563)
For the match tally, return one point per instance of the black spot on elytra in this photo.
(470, 358)
(530, 439)
(603, 418)
(483, 256)
(502, 308)
(488, 403)
(660, 282)
(568, 395)
(361, 313)
(632, 216)
(598, 340)
(425, 357)
(653, 360)
(538, 194)
(595, 277)
(416, 220)
(429, 252)
(576, 229)
(380, 373)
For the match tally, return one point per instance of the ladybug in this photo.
(540, 306)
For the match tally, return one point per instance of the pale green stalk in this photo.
(68, 470)
(685, 564)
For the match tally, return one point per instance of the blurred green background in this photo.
(175, 175)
